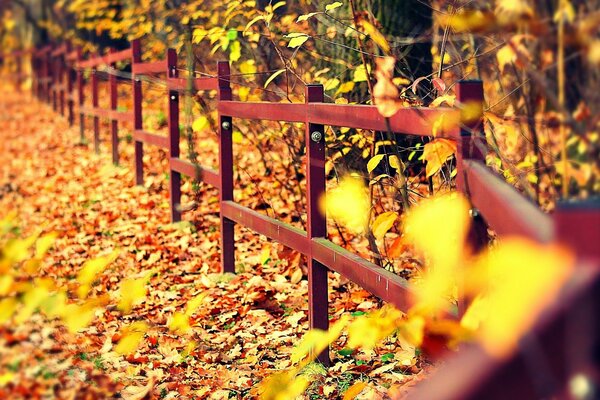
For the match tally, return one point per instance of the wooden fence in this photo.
(565, 336)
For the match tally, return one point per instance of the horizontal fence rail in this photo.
(58, 76)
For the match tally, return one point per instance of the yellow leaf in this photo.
(91, 269)
(235, 51)
(17, 250)
(470, 112)
(253, 21)
(194, 303)
(333, 6)
(512, 11)
(283, 386)
(438, 227)
(237, 137)
(412, 331)
(132, 292)
(368, 330)
(297, 39)
(76, 317)
(6, 284)
(179, 323)
(593, 53)
(396, 163)
(200, 124)
(354, 390)
(248, 67)
(331, 84)
(31, 301)
(375, 35)
(374, 162)
(6, 378)
(131, 337)
(316, 340)
(272, 77)
(383, 223)
(44, 244)
(345, 87)
(518, 278)
(348, 204)
(265, 254)
(477, 311)
(360, 74)
(468, 20)
(305, 17)
(8, 306)
(243, 93)
(506, 56)
(55, 305)
(447, 98)
(436, 153)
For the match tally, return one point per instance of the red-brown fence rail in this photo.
(566, 334)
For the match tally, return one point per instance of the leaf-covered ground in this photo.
(246, 325)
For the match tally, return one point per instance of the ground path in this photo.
(246, 326)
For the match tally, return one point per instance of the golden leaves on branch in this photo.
(436, 153)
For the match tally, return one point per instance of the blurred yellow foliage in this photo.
(348, 204)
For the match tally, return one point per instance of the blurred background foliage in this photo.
(539, 63)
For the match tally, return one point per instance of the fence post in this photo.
(47, 76)
(33, 74)
(70, 97)
(174, 176)
(19, 72)
(62, 72)
(226, 169)
(114, 123)
(55, 78)
(80, 94)
(137, 113)
(96, 119)
(318, 298)
(471, 145)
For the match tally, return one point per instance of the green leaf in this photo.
(345, 352)
(333, 6)
(232, 34)
(275, 75)
(374, 162)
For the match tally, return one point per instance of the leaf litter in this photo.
(190, 332)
